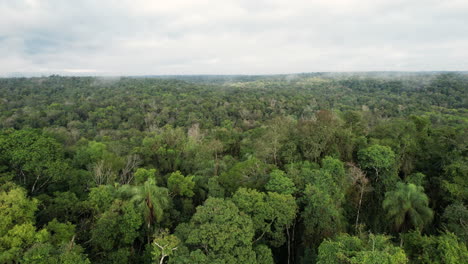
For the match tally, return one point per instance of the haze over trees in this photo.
(309, 168)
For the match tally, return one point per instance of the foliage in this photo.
(271, 213)
(373, 249)
(234, 169)
(446, 248)
(408, 206)
(178, 184)
(219, 233)
(280, 183)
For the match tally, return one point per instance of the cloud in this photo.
(139, 37)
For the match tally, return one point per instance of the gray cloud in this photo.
(136, 37)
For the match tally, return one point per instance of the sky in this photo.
(166, 37)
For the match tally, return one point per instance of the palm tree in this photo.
(151, 199)
(408, 206)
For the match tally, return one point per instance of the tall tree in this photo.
(36, 159)
(151, 200)
(408, 206)
(217, 233)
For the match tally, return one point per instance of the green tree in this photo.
(271, 213)
(59, 248)
(445, 248)
(36, 159)
(322, 215)
(251, 173)
(456, 220)
(218, 233)
(280, 183)
(115, 231)
(17, 230)
(377, 158)
(371, 249)
(164, 245)
(141, 175)
(178, 184)
(150, 199)
(408, 206)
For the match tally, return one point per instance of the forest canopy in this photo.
(304, 168)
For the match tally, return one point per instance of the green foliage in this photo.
(280, 183)
(214, 188)
(60, 233)
(322, 216)
(271, 213)
(115, 230)
(16, 209)
(219, 233)
(455, 180)
(36, 159)
(165, 150)
(178, 184)
(164, 245)
(63, 206)
(264, 255)
(418, 179)
(408, 206)
(141, 175)
(96, 171)
(150, 199)
(371, 249)
(45, 253)
(17, 230)
(251, 173)
(377, 157)
(455, 217)
(446, 248)
(101, 197)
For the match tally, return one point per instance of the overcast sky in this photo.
(140, 37)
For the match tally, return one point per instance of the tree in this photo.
(408, 206)
(371, 249)
(115, 231)
(322, 215)
(316, 136)
(164, 245)
(60, 247)
(269, 146)
(17, 230)
(16, 209)
(376, 157)
(271, 213)
(36, 159)
(454, 181)
(379, 164)
(251, 173)
(100, 198)
(332, 178)
(104, 164)
(264, 255)
(361, 183)
(445, 248)
(178, 184)
(165, 148)
(218, 233)
(280, 183)
(149, 198)
(64, 206)
(142, 175)
(456, 220)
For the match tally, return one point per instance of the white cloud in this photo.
(132, 37)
